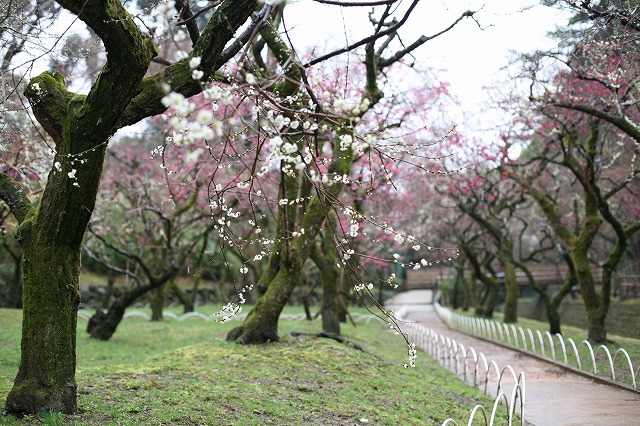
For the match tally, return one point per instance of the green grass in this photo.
(182, 373)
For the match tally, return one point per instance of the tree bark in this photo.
(158, 300)
(330, 276)
(14, 292)
(261, 325)
(46, 379)
(186, 300)
(505, 256)
(102, 325)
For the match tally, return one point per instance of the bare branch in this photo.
(366, 40)
(423, 39)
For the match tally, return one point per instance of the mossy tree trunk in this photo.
(284, 264)
(50, 234)
(493, 222)
(325, 259)
(552, 304)
(580, 156)
(505, 256)
(103, 324)
(579, 246)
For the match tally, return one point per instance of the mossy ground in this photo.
(182, 373)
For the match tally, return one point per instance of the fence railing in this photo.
(87, 314)
(597, 360)
(474, 368)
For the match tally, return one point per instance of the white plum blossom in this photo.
(194, 62)
(197, 74)
(193, 156)
(204, 117)
(250, 78)
(345, 142)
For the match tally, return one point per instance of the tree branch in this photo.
(366, 40)
(220, 29)
(422, 40)
(15, 195)
(621, 122)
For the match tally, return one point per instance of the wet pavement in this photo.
(553, 396)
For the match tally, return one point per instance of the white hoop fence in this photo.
(474, 368)
(583, 356)
(87, 314)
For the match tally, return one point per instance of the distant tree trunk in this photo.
(344, 296)
(330, 276)
(596, 312)
(111, 282)
(465, 284)
(14, 292)
(187, 301)
(486, 303)
(159, 299)
(103, 324)
(485, 309)
(552, 304)
(505, 256)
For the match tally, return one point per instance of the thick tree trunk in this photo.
(50, 235)
(46, 378)
(261, 325)
(596, 312)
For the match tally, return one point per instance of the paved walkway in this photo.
(554, 397)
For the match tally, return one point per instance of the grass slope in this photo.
(184, 373)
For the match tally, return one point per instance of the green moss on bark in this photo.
(46, 378)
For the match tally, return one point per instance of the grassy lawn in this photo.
(184, 373)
